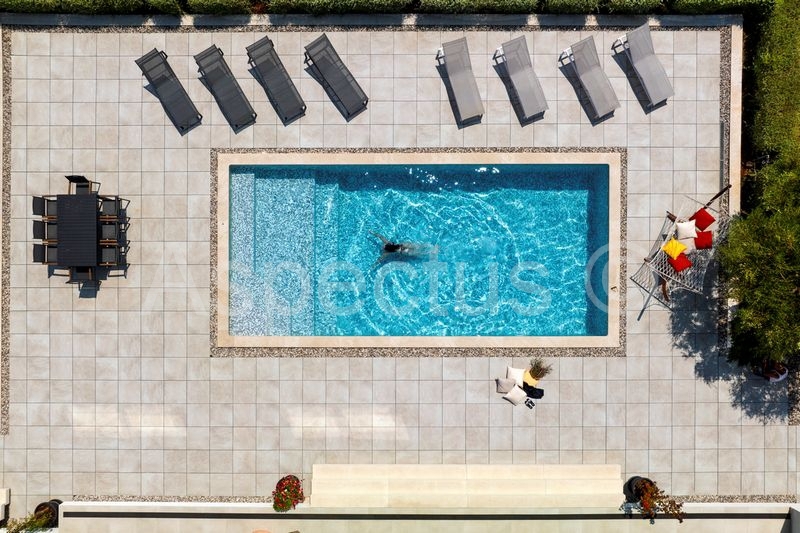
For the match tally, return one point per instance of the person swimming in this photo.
(391, 249)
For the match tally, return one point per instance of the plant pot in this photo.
(629, 489)
(49, 507)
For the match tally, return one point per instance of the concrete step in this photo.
(517, 472)
(461, 486)
(483, 486)
(460, 500)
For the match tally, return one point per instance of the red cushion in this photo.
(702, 219)
(680, 263)
(703, 240)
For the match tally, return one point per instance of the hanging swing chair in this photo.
(661, 272)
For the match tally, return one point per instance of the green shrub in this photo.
(761, 262)
(571, 6)
(320, 7)
(478, 6)
(96, 7)
(721, 6)
(88, 7)
(30, 6)
(170, 7)
(218, 7)
(635, 6)
(777, 67)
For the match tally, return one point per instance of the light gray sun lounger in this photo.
(226, 90)
(639, 47)
(594, 81)
(275, 80)
(336, 78)
(523, 79)
(179, 107)
(455, 55)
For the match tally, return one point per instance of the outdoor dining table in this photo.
(77, 229)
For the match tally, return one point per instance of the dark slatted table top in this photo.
(77, 229)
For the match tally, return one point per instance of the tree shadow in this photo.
(698, 323)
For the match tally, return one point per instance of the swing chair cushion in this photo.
(686, 230)
(702, 219)
(680, 263)
(704, 240)
(673, 248)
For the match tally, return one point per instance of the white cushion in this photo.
(505, 385)
(515, 374)
(689, 244)
(516, 395)
(686, 230)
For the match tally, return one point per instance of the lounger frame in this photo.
(167, 87)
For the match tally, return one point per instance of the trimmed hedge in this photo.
(635, 6)
(87, 7)
(571, 6)
(321, 7)
(478, 6)
(218, 7)
(700, 7)
(777, 68)
(169, 7)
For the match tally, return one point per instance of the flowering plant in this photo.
(652, 500)
(287, 494)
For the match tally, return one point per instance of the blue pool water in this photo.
(497, 250)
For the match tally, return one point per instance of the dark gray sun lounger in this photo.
(336, 78)
(523, 78)
(179, 107)
(594, 81)
(225, 89)
(458, 66)
(639, 47)
(275, 80)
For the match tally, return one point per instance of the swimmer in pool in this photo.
(391, 249)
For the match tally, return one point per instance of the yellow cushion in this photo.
(528, 379)
(673, 248)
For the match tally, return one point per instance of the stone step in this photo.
(460, 500)
(472, 486)
(516, 472)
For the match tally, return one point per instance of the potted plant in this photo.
(644, 495)
(45, 516)
(287, 494)
(539, 369)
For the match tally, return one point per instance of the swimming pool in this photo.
(503, 249)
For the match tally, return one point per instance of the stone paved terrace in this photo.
(117, 395)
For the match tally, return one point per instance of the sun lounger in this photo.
(523, 79)
(179, 107)
(455, 55)
(226, 90)
(276, 81)
(336, 78)
(639, 47)
(594, 81)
